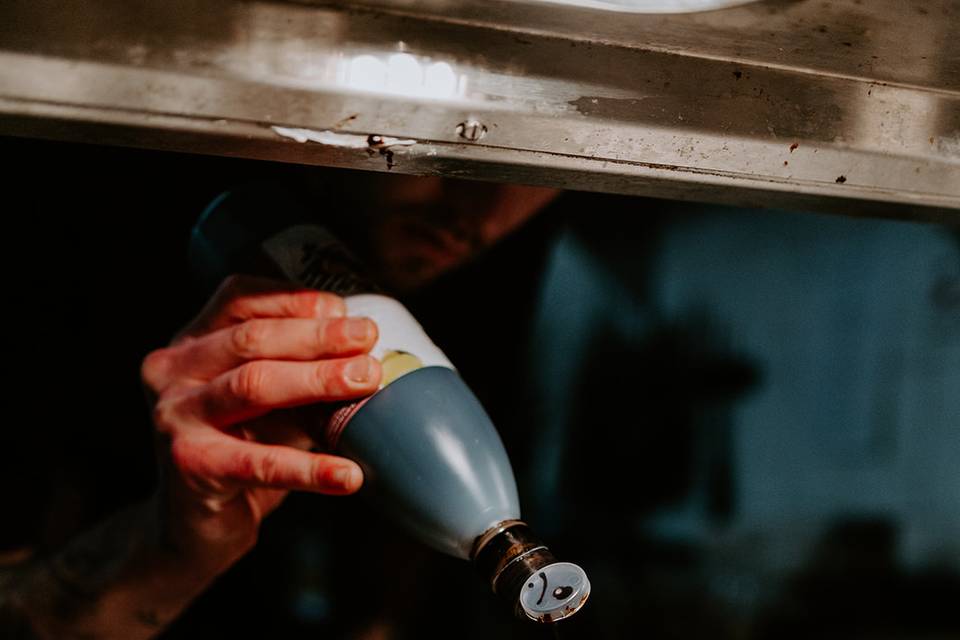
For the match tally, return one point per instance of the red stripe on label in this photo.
(338, 422)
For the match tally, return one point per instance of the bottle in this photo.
(431, 457)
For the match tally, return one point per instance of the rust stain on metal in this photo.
(344, 121)
(381, 145)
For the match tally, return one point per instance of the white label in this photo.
(403, 345)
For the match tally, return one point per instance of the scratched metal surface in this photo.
(848, 105)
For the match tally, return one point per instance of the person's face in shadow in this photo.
(416, 228)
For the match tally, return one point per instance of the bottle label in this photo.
(403, 345)
(310, 256)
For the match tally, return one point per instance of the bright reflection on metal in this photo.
(402, 74)
(440, 80)
(366, 72)
(652, 6)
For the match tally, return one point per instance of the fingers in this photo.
(257, 387)
(260, 346)
(242, 298)
(217, 462)
(208, 356)
(288, 427)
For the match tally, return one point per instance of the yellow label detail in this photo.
(396, 364)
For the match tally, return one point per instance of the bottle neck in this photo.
(507, 555)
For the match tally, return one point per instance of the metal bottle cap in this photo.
(555, 592)
(522, 571)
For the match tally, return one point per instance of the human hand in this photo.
(231, 395)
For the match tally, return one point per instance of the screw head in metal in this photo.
(471, 130)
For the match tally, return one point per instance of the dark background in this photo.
(95, 243)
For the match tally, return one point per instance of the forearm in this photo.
(120, 580)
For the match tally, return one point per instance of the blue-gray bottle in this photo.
(430, 455)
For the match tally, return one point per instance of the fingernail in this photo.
(347, 477)
(358, 369)
(359, 329)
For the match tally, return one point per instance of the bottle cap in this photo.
(525, 573)
(554, 592)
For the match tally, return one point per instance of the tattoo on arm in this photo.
(87, 566)
(52, 593)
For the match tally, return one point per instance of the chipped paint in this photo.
(344, 140)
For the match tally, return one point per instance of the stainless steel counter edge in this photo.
(236, 78)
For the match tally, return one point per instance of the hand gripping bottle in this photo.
(430, 455)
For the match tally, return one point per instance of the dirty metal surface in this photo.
(849, 105)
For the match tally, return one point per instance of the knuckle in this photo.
(265, 468)
(236, 307)
(329, 304)
(232, 285)
(165, 416)
(241, 466)
(302, 304)
(316, 470)
(328, 334)
(155, 367)
(183, 454)
(247, 339)
(249, 383)
(232, 295)
(326, 379)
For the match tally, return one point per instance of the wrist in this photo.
(195, 534)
